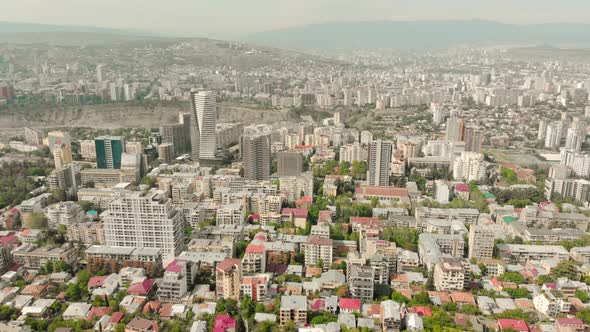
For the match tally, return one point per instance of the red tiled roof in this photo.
(141, 288)
(227, 264)
(352, 304)
(299, 213)
(423, 311)
(462, 187)
(314, 239)
(363, 220)
(116, 317)
(175, 266)
(514, 324)
(318, 305)
(381, 191)
(96, 281)
(98, 312)
(223, 322)
(569, 321)
(255, 248)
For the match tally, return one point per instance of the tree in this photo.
(514, 277)
(420, 299)
(566, 268)
(37, 220)
(399, 298)
(518, 293)
(581, 295)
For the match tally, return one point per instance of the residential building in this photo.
(146, 220)
(178, 279)
(112, 258)
(293, 308)
(361, 282)
(521, 253)
(451, 273)
(255, 151)
(254, 260)
(30, 256)
(481, 242)
(228, 276)
(378, 163)
(289, 163)
(318, 252)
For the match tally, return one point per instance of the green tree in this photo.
(399, 298)
(582, 296)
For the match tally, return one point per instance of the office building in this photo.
(203, 120)
(379, 161)
(255, 150)
(146, 220)
(109, 150)
(481, 242)
(178, 134)
(289, 163)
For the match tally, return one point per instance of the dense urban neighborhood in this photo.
(199, 185)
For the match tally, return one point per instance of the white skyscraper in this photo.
(145, 220)
(203, 121)
(379, 159)
(553, 136)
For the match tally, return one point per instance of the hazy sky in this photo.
(235, 18)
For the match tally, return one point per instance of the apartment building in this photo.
(550, 303)
(30, 256)
(145, 220)
(254, 260)
(481, 242)
(177, 280)
(293, 308)
(88, 233)
(64, 214)
(113, 258)
(390, 316)
(228, 276)
(361, 282)
(230, 214)
(451, 273)
(318, 251)
(521, 253)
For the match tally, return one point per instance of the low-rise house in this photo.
(132, 303)
(348, 320)
(200, 309)
(391, 316)
(349, 305)
(37, 309)
(138, 324)
(144, 288)
(224, 323)
(77, 310)
(413, 322)
(509, 324)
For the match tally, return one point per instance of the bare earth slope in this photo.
(128, 115)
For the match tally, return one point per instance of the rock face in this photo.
(126, 115)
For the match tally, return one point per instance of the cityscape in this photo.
(293, 179)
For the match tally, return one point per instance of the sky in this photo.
(231, 19)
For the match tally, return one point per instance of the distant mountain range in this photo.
(18, 27)
(420, 34)
(29, 33)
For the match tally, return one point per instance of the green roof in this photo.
(509, 219)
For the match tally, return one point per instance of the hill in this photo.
(420, 34)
